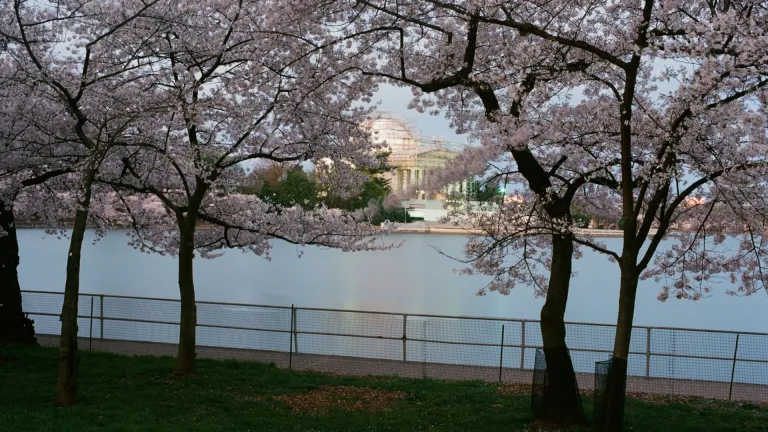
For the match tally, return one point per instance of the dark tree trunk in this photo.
(15, 328)
(615, 391)
(66, 391)
(185, 361)
(562, 402)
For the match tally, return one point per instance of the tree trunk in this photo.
(66, 392)
(185, 361)
(562, 402)
(615, 391)
(15, 328)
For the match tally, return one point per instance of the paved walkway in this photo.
(356, 366)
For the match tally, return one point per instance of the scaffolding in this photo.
(406, 144)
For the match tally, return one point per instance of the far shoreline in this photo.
(417, 228)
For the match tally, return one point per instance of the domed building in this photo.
(399, 134)
(412, 158)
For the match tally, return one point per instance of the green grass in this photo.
(119, 393)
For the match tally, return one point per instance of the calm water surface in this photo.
(412, 279)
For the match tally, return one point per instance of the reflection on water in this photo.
(411, 279)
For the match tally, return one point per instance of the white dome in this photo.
(400, 136)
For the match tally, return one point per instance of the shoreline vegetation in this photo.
(400, 228)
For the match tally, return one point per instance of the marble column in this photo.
(409, 177)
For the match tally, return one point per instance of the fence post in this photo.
(733, 368)
(501, 352)
(424, 351)
(90, 329)
(101, 316)
(290, 341)
(522, 346)
(405, 337)
(647, 352)
(295, 330)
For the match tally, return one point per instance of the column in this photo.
(406, 178)
(421, 182)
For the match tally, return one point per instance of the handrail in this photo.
(401, 334)
(393, 338)
(415, 315)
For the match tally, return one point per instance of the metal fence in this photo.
(674, 361)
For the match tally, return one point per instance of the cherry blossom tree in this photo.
(212, 96)
(485, 79)
(243, 83)
(707, 137)
(516, 75)
(25, 162)
(77, 59)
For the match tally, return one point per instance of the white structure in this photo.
(411, 156)
(433, 210)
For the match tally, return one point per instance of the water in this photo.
(411, 279)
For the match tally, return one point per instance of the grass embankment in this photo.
(119, 393)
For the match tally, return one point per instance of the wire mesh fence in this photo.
(540, 381)
(602, 368)
(706, 363)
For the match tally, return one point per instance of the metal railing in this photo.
(712, 363)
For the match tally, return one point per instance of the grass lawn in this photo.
(119, 393)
